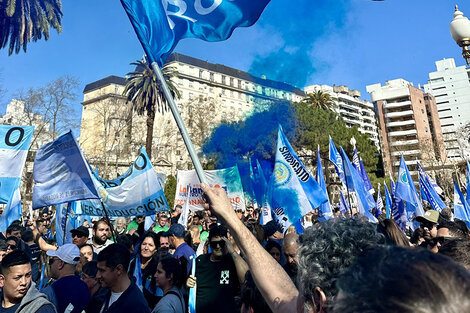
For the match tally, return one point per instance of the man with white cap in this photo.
(68, 289)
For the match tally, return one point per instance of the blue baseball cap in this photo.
(175, 229)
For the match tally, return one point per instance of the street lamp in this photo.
(460, 31)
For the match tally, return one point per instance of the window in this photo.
(231, 81)
(223, 79)
(211, 77)
(200, 73)
(239, 84)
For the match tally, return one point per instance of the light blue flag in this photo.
(138, 272)
(354, 182)
(261, 192)
(293, 190)
(14, 145)
(392, 185)
(461, 206)
(428, 193)
(251, 187)
(366, 179)
(192, 291)
(467, 176)
(379, 204)
(355, 161)
(335, 157)
(65, 221)
(343, 205)
(388, 200)
(324, 212)
(161, 24)
(61, 174)
(406, 191)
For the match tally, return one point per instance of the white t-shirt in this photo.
(114, 297)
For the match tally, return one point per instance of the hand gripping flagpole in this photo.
(180, 123)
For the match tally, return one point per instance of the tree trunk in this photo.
(148, 141)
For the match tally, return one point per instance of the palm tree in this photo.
(145, 93)
(24, 20)
(319, 99)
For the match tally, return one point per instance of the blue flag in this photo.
(161, 24)
(406, 190)
(388, 200)
(366, 179)
(379, 204)
(461, 207)
(392, 185)
(324, 212)
(293, 190)
(343, 205)
(335, 157)
(428, 192)
(467, 176)
(356, 162)
(14, 145)
(354, 182)
(65, 221)
(192, 291)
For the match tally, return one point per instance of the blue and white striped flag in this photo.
(461, 206)
(335, 157)
(428, 192)
(379, 203)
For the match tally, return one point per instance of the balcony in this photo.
(401, 123)
(404, 142)
(399, 114)
(402, 133)
(407, 152)
(408, 163)
(397, 104)
(346, 112)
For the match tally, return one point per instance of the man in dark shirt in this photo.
(218, 274)
(19, 294)
(124, 295)
(175, 236)
(68, 289)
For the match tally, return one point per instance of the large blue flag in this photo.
(324, 212)
(343, 204)
(461, 206)
(61, 174)
(366, 179)
(428, 192)
(293, 190)
(406, 190)
(354, 182)
(356, 161)
(161, 24)
(388, 200)
(335, 157)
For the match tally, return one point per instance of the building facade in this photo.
(209, 94)
(450, 85)
(354, 111)
(409, 125)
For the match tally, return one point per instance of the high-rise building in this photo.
(409, 125)
(209, 94)
(450, 85)
(354, 111)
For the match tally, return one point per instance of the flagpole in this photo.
(109, 221)
(65, 224)
(180, 123)
(347, 189)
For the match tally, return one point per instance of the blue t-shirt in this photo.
(69, 289)
(185, 250)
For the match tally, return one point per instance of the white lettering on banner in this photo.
(204, 11)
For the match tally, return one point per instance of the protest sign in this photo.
(227, 178)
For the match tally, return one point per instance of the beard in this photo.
(100, 241)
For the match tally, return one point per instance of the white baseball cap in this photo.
(69, 253)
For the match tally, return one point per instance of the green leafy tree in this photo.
(319, 99)
(170, 190)
(145, 93)
(24, 20)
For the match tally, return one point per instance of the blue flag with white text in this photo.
(159, 25)
(379, 204)
(388, 201)
(428, 193)
(461, 206)
(61, 174)
(354, 182)
(335, 157)
(293, 190)
(366, 179)
(324, 211)
(343, 205)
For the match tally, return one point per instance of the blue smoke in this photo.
(293, 63)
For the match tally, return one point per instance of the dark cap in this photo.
(270, 228)
(81, 231)
(175, 229)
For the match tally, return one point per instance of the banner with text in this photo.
(227, 178)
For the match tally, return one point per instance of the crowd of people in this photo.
(228, 262)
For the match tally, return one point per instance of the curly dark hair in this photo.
(325, 251)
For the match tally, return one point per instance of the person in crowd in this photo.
(148, 258)
(250, 297)
(67, 288)
(134, 225)
(290, 246)
(450, 229)
(446, 214)
(164, 245)
(395, 279)
(458, 250)
(120, 227)
(170, 276)
(80, 236)
(272, 231)
(162, 224)
(19, 293)
(33, 252)
(393, 234)
(13, 244)
(3, 249)
(123, 296)
(43, 229)
(86, 251)
(256, 229)
(175, 215)
(100, 240)
(428, 222)
(218, 274)
(127, 241)
(195, 236)
(176, 235)
(274, 249)
(97, 293)
(321, 257)
(14, 230)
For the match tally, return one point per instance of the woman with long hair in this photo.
(170, 275)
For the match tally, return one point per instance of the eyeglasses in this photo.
(12, 247)
(220, 243)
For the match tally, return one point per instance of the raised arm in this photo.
(273, 282)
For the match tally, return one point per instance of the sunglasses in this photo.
(12, 247)
(220, 243)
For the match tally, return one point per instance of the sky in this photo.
(344, 42)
